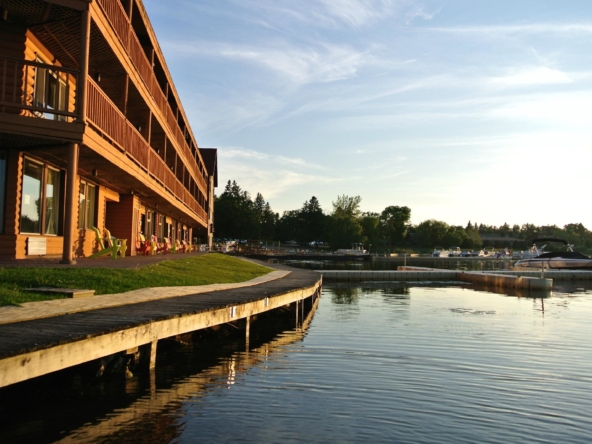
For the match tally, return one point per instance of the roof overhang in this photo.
(210, 158)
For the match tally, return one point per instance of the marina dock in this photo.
(515, 279)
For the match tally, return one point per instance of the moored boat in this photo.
(440, 252)
(558, 260)
(355, 250)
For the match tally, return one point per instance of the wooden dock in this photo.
(36, 347)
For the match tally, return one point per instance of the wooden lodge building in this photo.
(92, 132)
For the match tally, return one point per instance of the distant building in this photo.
(499, 241)
(92, 132)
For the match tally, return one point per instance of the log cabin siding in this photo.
(12, 45)
(14, 177)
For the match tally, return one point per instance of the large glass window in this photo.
(53, 194)
(87, 205)
(41, 199)
(31, 197)
(2, 188)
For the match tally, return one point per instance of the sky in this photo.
(462, 110)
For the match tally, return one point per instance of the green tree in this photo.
(312, 220)
(346, 206)
(474, 237)
(269, 221)
(431, 233)
(235, 212)
(345, 228)
(394, 223)
(371, 229)
(289, 226)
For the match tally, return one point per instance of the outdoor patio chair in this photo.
(161, 246)
(111, 248)
(143, 246)
(115, 242)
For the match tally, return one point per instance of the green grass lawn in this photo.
(198, 270)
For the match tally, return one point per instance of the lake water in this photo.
(377, 363)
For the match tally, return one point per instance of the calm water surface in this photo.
(379, 363)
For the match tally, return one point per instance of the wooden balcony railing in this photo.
(105, 117)
(37, 89)
(116, 14)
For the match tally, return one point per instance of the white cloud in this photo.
(532, 76)
(558, 109)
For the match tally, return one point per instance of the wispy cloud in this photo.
(242, 153)
(532, 76)
(297, 64)
(358, 13)
(234, 115)
(535, 28)
(274, 176)
(355, 14)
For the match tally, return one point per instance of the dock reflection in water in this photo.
(381, 362)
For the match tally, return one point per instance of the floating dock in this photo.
(522, 280)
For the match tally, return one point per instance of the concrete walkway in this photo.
(46, 309)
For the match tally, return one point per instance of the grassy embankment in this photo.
(199, 270)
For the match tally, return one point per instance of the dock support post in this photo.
(153, 354)
(302, 309)
(153, 383)
(296, 313)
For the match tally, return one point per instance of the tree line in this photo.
(238, 216)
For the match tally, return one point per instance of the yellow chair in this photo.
(115, 242)
(111, 249)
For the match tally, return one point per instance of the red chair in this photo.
(143, 246)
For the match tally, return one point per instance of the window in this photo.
(149, 226)
(41, 200)
(87, 206)
(2, 188)
(50, 92)
(160, 226)
(53, 198)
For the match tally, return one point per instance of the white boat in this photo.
(355, 250)
(440, 252)
(489, 252)
(557, 260)
(454, 252)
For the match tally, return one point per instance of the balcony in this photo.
(106, 118)
(48, 92)
(120, 23)
(37, 90)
